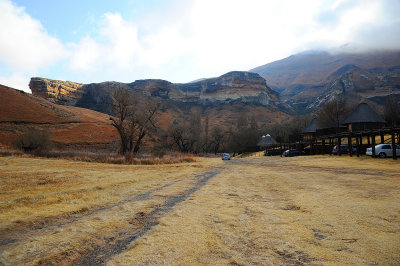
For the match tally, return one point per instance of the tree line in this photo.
(135, 120)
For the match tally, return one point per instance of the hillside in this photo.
(222, 99)
(69, 126)
(76, 127)
(304, 79)
(234, 86)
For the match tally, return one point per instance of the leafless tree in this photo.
(181, 138)
(392, 110)
(206, 141)
(217, 138)
(133, 121)
(333, 112)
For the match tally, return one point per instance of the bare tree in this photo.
(132, 121)
(392, 110)
(217, 138)
(333, 112)
(206, 142)
(288, 131)
(181, 138)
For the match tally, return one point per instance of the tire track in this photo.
(49, 225)
(100, 254)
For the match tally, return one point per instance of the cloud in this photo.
(16, 80)
(197, 38)
(86, 55)
(113, 50)
(25, 47)
(212, 37)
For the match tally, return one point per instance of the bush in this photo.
(34, 140)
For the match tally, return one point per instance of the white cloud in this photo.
(199, 38)
(17, 81)
(86, 55)
(25, 47)
(115, 47)
(219, 36)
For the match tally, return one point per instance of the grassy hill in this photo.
(69, 126)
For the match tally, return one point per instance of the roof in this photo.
(312, 126)
(266, 140)
(363, 114)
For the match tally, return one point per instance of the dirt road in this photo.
(304, 210)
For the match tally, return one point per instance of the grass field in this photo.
(255, 210)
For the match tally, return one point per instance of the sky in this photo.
(179, 40)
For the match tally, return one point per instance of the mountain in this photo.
(234, 86)
(306, 80)
(222, 99)
(70, 127)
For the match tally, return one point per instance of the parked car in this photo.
(226, 156)
(344, 149)
(383, 150)
(272, 152)
(291, 153)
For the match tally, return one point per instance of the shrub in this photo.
(34, 140)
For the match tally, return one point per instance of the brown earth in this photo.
(80, 128)
(261, 210)
(69, 126)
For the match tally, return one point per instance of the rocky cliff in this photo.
(234, 86)
(356, 84)
(57, 91)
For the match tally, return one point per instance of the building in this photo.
(310, 131)
(363, 118)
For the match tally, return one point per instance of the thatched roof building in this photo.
(267, 141)
(362, 118)
(310, 130)
(312, 126)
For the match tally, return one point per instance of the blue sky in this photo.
(180, 41)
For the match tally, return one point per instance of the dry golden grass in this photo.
(257, 210)
(311, 210)
(46, 193)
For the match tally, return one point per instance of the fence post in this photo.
(350, 144)
(373, 146)
(394, 145)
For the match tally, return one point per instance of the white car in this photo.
(383, 150)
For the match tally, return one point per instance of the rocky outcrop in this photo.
(234, 86)
(356, 83)
(57, 91)
(306, 80)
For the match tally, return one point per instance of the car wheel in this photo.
(382, 155)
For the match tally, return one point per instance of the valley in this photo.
(256, 210)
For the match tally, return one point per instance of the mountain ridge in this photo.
(233, 86)
(307, 80)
